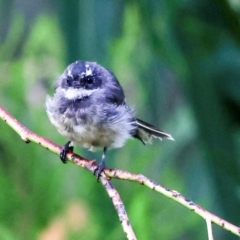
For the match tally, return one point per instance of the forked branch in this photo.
(29, 136)
(91, 165)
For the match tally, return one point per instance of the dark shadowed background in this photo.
(179, 63)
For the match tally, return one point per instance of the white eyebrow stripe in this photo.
(88, 70)
(69, 73)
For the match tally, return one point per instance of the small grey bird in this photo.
(90, 110)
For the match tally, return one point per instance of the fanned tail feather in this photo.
(146, 132)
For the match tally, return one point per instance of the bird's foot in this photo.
(98, 171)
(64, 151)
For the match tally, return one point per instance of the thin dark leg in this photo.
(65, 149)
(101, 165)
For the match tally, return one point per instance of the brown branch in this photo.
(28, 136)
(176, 196)
(91, 165)
(209, 229)
(118, 204)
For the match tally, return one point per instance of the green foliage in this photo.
(178, 62)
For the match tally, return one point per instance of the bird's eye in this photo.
(69, 80)
(89, 80)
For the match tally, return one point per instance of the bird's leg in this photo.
(65, 149)
(101, 165)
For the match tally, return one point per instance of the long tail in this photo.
(146, 132)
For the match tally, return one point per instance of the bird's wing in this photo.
(146, 132)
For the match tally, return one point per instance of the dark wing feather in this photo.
(146, 132)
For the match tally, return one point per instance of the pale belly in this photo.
(95, 137)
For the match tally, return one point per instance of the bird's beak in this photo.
(76, 84)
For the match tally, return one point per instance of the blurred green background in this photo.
(179, 63)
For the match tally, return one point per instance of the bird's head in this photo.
(81, 79)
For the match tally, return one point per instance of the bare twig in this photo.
(90, 165)
(118, 204)
(176, 196)
(209, 229)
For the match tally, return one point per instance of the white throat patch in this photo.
(77, 93)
